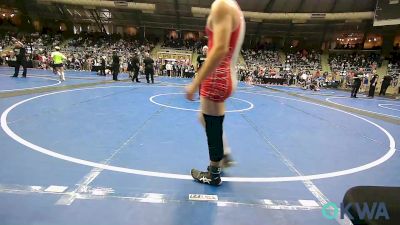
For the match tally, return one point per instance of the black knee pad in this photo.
(214, 131)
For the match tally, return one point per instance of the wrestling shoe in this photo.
(211, 177)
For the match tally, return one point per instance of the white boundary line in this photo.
(196, 110)
(71, 77)
(383, 106)
(21, 89)
(102, 193)
(383, 114)
(384, 158)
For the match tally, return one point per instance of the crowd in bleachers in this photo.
(304, 60)
(349, 46)
(85, 51)
(353, 61)
(394, 64)
(259, 63)
(265, 66)
(37, 46)
(394, 67)
(5, 41)
(176, 69)
(188, 45)
(179, 43)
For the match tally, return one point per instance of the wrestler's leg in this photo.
(227, 161)
(213, 113)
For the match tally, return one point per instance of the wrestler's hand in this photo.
(190, 90)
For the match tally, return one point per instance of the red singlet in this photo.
(220, 84)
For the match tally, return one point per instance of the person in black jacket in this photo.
(20, 51)
(135, 67)
(103, 67)
(115, 65)
(149, 67)
(202, 58)
(385, 84)
(200, 61)
(357, 83)
(372, 86)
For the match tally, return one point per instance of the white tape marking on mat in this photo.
(199, 197)
(56, 189)
(310, 203)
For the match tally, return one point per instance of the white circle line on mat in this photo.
(31, 88)
(385, 106)
(384, 158)
(382, 114)
(251, 105)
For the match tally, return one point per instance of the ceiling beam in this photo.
(99, 20)
(96, 19)
(65, 14)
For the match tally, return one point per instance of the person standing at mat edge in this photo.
(200, 61)
(372, 86)
(202, 58)
(58, 59)
(103, 66)
(135, 67)
(357, 77)
(115, 65)
(20, 52)
(149, 67)
(385, 84)
(225, 30)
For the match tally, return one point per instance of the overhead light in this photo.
(4, 15)
(12, 15)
